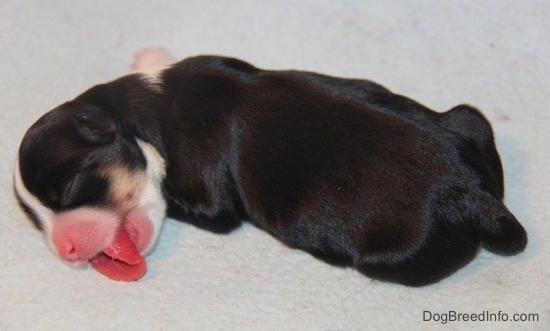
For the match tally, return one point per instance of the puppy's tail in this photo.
(501, 232)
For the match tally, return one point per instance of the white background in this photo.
(491, 54)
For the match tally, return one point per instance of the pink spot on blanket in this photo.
(502, 117)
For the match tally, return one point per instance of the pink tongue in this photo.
(121, 260)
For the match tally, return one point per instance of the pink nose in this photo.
(67, 250)
(80, 234)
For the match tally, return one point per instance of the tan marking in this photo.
(125, 187)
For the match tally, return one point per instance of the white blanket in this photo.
(494, 55)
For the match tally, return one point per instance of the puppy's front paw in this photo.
(151, 58)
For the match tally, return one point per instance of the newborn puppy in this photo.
(342, 168)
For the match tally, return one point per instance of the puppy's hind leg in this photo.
(445, 238)
(455, 222)
(444, 248)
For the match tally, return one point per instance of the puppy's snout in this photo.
(67, 250)
(81, 234)
(139, 228)
(79, 242)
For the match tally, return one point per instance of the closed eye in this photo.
(84, 188)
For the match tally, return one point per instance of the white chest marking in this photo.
(151, 195)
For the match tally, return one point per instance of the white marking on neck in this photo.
(151, 195)
(153, 78)
(43, 213)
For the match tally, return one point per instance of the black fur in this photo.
(341, 168)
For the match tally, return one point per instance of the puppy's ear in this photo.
(95, 125)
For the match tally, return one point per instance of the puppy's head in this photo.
(82, 175)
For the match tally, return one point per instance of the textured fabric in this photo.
(493, 55)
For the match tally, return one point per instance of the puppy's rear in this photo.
(457, 216)
(373, 179)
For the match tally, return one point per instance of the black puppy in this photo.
(342, 168)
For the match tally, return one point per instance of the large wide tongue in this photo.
(121, 260)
